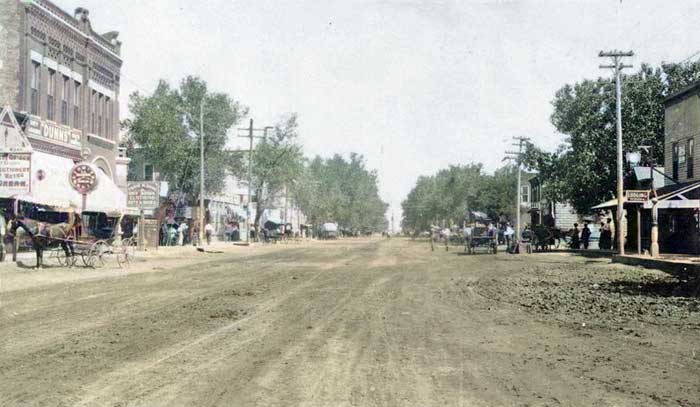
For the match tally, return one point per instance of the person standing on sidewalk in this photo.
(208, 231)
(585, 235)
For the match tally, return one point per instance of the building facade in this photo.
(63, 77)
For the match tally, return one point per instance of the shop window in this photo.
(690, 150)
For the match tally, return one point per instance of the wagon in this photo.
(481, 240)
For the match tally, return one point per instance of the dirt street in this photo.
(351, 323)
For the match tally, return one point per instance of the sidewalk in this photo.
(683, 266)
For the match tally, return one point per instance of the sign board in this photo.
(83, 178)
(143, 195)
(15, 173)
(42, 129)
(150, 228)
(637, 196)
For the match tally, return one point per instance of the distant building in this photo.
(546, 212)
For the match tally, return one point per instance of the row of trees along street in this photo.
(165, 128)
(581, 170)
(451, 192)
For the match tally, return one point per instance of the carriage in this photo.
(478, 236)
(93, 238)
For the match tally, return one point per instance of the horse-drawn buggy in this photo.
(93, 238)
(480, 234)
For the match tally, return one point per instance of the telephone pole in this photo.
(517, 157)
(617, 66)
(250, 136)
(201, 172)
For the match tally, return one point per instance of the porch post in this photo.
(654, 231)
(639, 230)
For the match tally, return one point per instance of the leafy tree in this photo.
(277, 163)
(582, 171)
(342, 191)
(166, 129)
(452, 192)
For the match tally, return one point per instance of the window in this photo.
(65, 96)
(689, 151)
(148, 172)
(674, 152)
(681, 153)
(51, 92)
(108, 118)
(76, 105)
(100, 112)
(525, 194)
(93, 114)
(35, 84)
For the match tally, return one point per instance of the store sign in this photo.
(48, 130)
(83, 178)
(143, 195)
(637, 196)
(15, 173)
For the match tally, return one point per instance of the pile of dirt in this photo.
(598, 294)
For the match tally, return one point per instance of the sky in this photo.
(414, 86)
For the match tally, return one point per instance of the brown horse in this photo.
(45, 236)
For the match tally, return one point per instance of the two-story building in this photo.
(675, 211)
(60, 79)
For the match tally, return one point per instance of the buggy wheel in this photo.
(125, 252)
(98, 254)
(61, 258)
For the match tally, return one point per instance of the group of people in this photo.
(180, 234)
(581, 239)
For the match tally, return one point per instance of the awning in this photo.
(50, 184)
(53, 187)
(107, 197)
(608, 204)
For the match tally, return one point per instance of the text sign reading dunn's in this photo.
(637, 196)
(83, 178)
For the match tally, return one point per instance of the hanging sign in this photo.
(637, 196)
(15, 173)
(83, 178)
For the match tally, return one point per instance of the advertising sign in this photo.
(151, 228)
(15, 173)
(143, 195)
(83, 178)
(637, 196)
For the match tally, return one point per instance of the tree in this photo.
(582, 171)
(166, 129)
(452, 192)
(277, 164)
(342, 191)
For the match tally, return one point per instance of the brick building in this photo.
(62, 78)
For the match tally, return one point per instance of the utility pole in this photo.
(201, 172)
(618, 66)
(517, 157)
(250, 136)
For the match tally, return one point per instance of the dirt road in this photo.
(354, 323)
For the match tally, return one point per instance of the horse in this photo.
(45, 236)
(439, 235)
